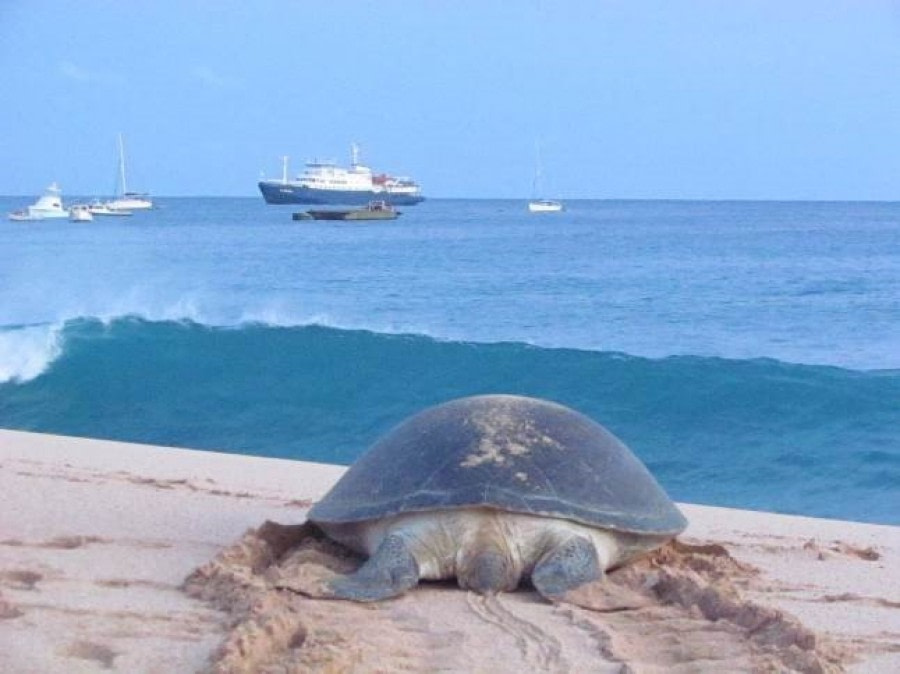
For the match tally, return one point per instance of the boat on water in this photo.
(48, 206)
(540, 205)
(97, 207)
(128, 201)
(374, 210)
(80, 213)
(131, 201)
(545, 206)
(324, 182)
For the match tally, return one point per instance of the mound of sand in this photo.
(680, 609)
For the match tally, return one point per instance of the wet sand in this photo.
(121, 557)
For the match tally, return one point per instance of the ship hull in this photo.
(278, 192)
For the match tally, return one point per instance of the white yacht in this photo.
(131, 201)
(97, 207)
(545, 206)
(47, 207)
(537, 205)
(128, 201)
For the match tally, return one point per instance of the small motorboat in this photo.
(374, 210)
(80, 213)
(47, 207)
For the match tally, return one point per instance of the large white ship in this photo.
(324, 182)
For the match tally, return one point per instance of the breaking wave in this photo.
(755, 433)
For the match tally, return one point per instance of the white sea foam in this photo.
(26, 352)
(142, 303)
(281, 315)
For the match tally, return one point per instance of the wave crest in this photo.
(756, 433)
(27, 351)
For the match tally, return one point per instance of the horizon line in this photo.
(523, 198)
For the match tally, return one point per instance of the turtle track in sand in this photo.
(540, 650)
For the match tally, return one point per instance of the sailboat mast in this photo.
(122, 164)
(536, 183)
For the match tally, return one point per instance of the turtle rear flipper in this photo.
(566, 567)
(390, 572)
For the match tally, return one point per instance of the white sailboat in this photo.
(545, 206)
(540, 205)
(128, 201)
(97, 207)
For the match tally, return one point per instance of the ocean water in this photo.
(748, 352)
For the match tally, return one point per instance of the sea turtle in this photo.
(492, 489)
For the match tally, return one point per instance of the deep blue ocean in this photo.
(748, 352)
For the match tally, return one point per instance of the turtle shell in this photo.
(508, 453)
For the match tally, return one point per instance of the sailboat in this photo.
(540, 205)
(545, 206)
(128, 201)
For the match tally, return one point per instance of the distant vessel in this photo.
(48, 206)
(324, 182)
(97, 207)
(539, 205)
(544, 206)
(80, 213)
(374, 210)
(128, 201)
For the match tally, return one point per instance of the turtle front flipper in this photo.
(390, 572)
(569, 565)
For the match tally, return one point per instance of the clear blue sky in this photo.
(667, 99)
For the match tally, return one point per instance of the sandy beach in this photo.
(130, 558)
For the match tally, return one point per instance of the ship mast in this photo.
(354, 154)
(122, 164)
(536, 183)
(284, 170)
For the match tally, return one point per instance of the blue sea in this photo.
(748, 352)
